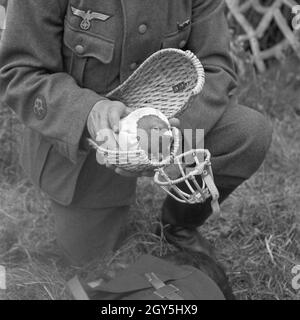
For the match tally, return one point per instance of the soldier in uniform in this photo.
(59, 58)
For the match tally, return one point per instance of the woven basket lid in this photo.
(166, 81)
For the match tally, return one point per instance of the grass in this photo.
(257, 240)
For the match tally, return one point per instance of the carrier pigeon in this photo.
(147, 129)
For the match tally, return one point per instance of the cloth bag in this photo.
(150, 278)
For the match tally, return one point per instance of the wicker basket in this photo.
(166, 81)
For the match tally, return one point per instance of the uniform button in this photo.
(133, 66)
(182, 44)
(79, 49)
(142, 28)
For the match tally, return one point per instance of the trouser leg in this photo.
(238, 144)
(189, 215)
(84, 234)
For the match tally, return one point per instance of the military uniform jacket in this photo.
(59, 57)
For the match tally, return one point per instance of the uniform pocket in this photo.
(34, 152)
(82, 48)
(177, 39)
(58, 175)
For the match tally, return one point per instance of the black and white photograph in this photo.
(149, 150)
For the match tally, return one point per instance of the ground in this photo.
(257, 238)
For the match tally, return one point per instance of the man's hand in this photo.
(104, 119)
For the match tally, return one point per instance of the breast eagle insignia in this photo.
(88, 16)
